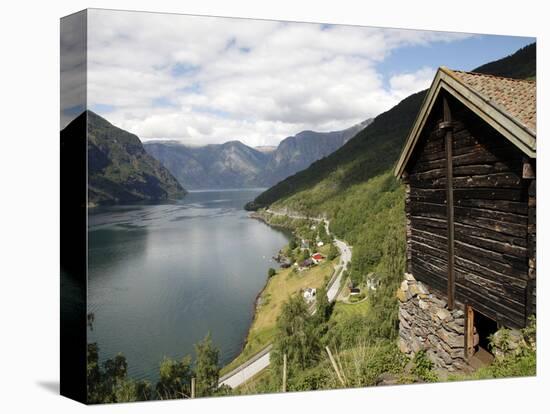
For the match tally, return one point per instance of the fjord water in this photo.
(162, 276)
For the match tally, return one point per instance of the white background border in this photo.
(29, 207)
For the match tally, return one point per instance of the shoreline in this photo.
(256, 216)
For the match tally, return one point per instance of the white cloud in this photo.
(405, 84)
(207, 80)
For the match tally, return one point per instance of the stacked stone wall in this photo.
(425, 323)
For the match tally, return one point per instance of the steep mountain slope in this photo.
(234, 164)
(298, 152)
(119, 169)
(376, 148)
(521, 65)
(229, 165)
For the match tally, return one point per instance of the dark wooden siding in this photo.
(491, 215)
(426, 208)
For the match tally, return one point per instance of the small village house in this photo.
(469, 167)
(305, 264)
(309, 294)
(317, 258)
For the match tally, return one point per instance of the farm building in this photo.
(317, 258)
(469, 166)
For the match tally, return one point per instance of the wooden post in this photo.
(408, 224)
(193, 387)
(340, 367)
(333, 362)
(468, 332)
(531, 289)
(447, 125)
(284, 372)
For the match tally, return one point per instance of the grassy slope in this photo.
(277, 291)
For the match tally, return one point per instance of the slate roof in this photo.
(516, 97)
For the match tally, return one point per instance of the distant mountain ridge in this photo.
(229, 165)
(119, 169)
(298, 152)
(234, 164)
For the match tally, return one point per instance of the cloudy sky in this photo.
(203, 80)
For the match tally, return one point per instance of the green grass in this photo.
(277, 291)
(345, 310)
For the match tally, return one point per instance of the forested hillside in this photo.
(119, 169)
(520, 65)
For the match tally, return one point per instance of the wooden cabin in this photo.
(469, 165)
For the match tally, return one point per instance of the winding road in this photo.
(260, 361)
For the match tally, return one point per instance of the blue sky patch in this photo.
(184, 69)
(101, 108)
(466, 54)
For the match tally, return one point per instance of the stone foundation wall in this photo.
(425, 323)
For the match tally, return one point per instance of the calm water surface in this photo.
(162, 276)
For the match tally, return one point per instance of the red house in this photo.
(317, 257)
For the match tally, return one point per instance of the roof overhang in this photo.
(517, 133)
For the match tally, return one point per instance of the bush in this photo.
(271, 272)
(423, 367)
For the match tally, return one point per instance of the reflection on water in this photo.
(162, 276)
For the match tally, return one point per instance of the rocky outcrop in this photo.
(425, 323)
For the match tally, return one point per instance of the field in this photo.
(277, 291)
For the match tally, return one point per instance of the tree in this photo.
(207, 368)
(296, 337)
(94, 391)
(323, 234)
(332, 252)
(109, 382)
(323, 307)
(271, 272)
(174, 378)
(292, 244)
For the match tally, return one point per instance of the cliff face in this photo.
(119, 169)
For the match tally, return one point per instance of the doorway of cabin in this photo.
(479, 328)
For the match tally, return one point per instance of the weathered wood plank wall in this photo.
(493, 253)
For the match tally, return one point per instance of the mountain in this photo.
(229, 165)
(236, 165)
(376, 148)
(119, 169)
(520, 65)
(296, 153)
